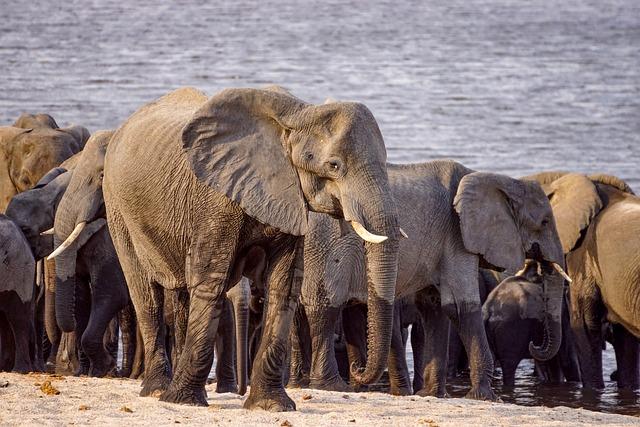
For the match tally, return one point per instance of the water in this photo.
(506, 86)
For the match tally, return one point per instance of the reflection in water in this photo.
(529, 392)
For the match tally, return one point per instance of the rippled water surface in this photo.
(507, 86)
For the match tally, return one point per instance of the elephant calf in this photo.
(514, 316)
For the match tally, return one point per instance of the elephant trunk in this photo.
(553, 296)
(382, 265)
(241, 313)
(65, 293)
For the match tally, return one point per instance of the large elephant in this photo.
(192, 182)
(457, 220)
(598, 219)
(30, 148)
(513, 316)
(17, 293)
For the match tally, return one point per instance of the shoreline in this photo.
(84, 401)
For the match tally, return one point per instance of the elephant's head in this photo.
(279, 158)
(80, 214)
(34, 210)
(26, 155)
(576, 199)
(505, 221)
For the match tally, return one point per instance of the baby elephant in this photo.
(17, 270)
(513, 317)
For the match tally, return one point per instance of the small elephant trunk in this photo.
(553, 295)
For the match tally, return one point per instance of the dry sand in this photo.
(104, 401)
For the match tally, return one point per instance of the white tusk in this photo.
(73, 236)
(562, 272)
(366, 235)
(521, 272)
(47, 232)
(403, 233)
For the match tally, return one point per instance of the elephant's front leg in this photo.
(324, 373)
(267, 389)
(468, 319)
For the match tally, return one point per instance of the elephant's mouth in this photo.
(545, 265)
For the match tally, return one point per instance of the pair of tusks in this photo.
(368, 236)
(556, 267)
(69, 241)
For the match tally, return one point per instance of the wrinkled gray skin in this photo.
(458, 360)
(221, 175)
(88, 273)
(456, 219)
(31, 147)
(17, 293)
(598, 219)
(513, 316)
(351, 328)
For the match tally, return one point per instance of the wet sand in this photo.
(83, 401)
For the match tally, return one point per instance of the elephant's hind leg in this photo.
(267, 389)
(148, 300)
(435, 341)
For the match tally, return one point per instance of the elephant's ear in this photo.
(31, 121)
(545, 178)
(235, 144)
(575, 201)
(485, 204)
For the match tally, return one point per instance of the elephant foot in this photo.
(50, 367)
(185, 396)
(482, 393)
(440, 392)
(109, 368)
(152, 385)
(302, 382)
(336, 385)
(272, 400)
(399, 391)
(226, 388)
(22, 369)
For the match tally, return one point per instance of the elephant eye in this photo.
(334, 165)
(545, 222)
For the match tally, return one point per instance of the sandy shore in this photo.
(29, 400)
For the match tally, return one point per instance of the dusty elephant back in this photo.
(17, 267)
(147, 174)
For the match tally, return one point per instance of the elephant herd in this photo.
(274, 234)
